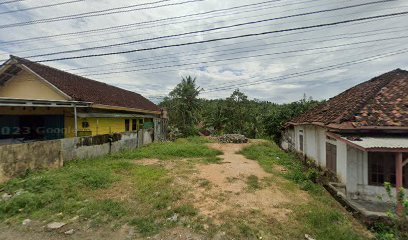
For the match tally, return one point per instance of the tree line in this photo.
(191, 115)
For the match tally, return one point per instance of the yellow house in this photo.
(38, 102)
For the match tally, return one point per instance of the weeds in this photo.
(321, 217)
(183, 148)
(153, 195)
(253, 182)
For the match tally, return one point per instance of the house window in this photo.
(127, 125)
(85, 124)
(301, 142)
(381, 168)
(134, 125)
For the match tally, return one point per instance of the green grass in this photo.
(211, 160)
(44, 193)
(76, 189)
(322, 217)
(253, 182)
(88, 189)
(182, 148)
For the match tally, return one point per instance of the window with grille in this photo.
(381, 168)
(301, 142)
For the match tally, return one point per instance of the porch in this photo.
(372, 162)
(24, 121)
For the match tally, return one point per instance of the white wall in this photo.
(314, 142)
(341, 161)
(314, 138)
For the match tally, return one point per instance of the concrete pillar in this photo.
(76, 121)
(398, 176)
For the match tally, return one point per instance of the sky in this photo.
(281, 66)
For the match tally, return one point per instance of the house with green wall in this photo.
(38, 102)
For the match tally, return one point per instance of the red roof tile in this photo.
(87, 90)
(379, 102)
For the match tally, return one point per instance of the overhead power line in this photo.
(128, 31)
(169, 56)
(307, 72)
(43, 6)
(317, 70)
(268, 58)
(224, 38)
(148, 24)
(104, 12)
(138, 23)
(244, 57)
(12, 1)
(249, 48)
(150, 33)
(210, 29)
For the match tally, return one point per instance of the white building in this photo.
(360, 135)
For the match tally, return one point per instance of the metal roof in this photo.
(379, 142)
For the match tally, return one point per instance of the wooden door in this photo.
(331, 157)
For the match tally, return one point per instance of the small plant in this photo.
(398, 229)
(145, 226)
(204, 183)
(312, 175)
(253, 182)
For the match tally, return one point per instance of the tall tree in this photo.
(183, 106)
(236, 110)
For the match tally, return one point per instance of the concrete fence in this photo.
(17, 159)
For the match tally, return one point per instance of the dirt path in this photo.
(230, 189)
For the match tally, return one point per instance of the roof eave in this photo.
(346, 127)
(119, 108)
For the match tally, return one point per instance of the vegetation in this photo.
(322, 217)
(114, 191)
(184, 106)
(111, 190)
(235, 114)
(398, 229)
(191, 147)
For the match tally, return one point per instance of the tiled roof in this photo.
(87, 90)
(379, 102)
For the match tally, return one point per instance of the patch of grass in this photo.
(186, 210)
(320, 217)
(182, 148)
(145, 226)
(211, 160)
(253, 182)
(232, 179)
(92, 178)
(194, 139)
(269, 154)
(86, 188)
(204, 183)
(43, 194)
(246, 230)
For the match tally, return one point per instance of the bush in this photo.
(312, 175)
